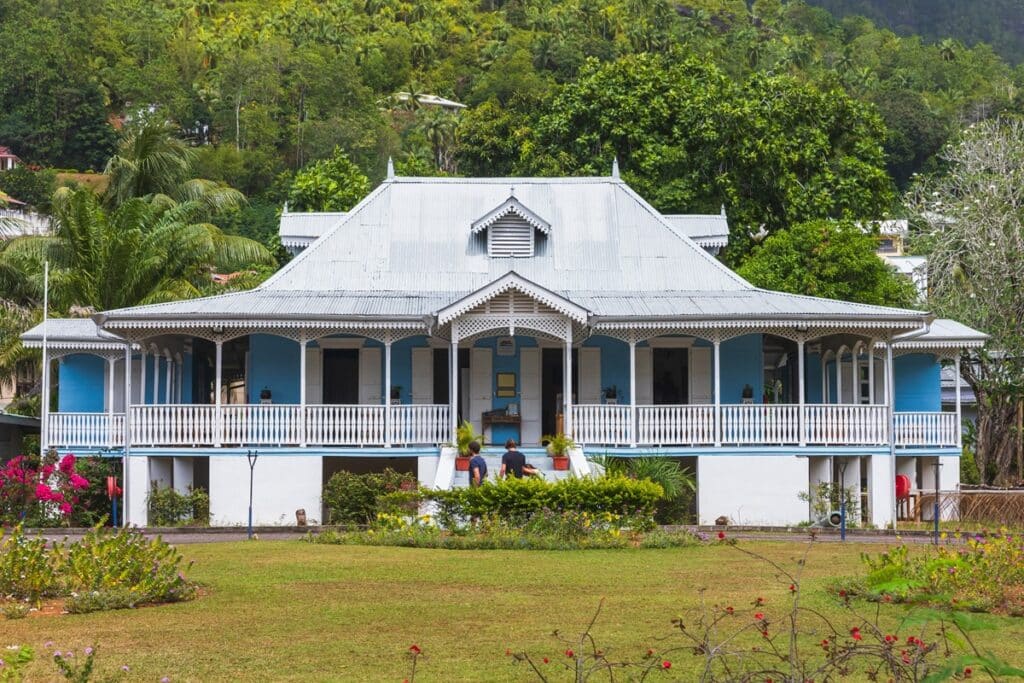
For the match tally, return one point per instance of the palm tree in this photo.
(138, 253)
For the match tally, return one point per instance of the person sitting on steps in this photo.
(514, 462)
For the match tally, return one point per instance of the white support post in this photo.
(854, 377)
(110, 401)
(718, 390)
(127, 429)
(453, 387)
(44, 424)
(871, 371)
(567, 382)
(632, 391)
(179, 363)
(387, 391)
(891, 400)
(303, 341)
(142, 376)
(170, 376)
(802, 390)
(839, 376)
(156, 377)
(959, 410)
(218, 436)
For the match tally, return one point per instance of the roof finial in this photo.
(723, 210)
(512, 191)
(285, 206)
(391, 169)
(615, 167)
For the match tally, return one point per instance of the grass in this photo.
(288, 610)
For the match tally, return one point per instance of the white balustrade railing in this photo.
(675, 425)
(608, 425)
(761, 424)
(420, 424)
(174, 425)
(847, 424)
(85, 430)
(263, 424)
(345, 425)
(926, 429)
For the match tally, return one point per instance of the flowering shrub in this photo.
(39, 493)
(353, 498)
(983, 574)
(103, 570)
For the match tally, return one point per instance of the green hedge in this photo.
(353, 498)
(521, 498)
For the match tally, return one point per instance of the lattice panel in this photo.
(474, 326)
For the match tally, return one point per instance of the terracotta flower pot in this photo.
(560, 462)
(461, 464)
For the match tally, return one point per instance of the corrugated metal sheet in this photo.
(699, 225)
(69, 329)
(408, 250)
(944, 329)
(307, 225)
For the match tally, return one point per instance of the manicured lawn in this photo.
(287, 610)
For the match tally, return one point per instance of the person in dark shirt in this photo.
(514, 462)
(477, 465)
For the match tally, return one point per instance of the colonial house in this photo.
(8, 159)
(527, 306)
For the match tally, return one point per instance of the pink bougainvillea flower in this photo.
(47, 471)
(65, 508)
(67, 464)
(77, 481)
(44, 492)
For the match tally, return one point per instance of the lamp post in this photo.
(252, 456)
(842, 499)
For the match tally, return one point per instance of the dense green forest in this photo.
(1000, 23)
(777, 110)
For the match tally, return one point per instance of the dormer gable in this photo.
(511, 229)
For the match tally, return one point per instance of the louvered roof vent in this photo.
(511, 229)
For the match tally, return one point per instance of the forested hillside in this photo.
(778, 110)
(997, 22)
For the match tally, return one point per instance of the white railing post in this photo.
(453, 385)
(218, 429)
(959, 415)
(718, 391)
(802, 417)
(632, 391)
(567, 377)
(142, 376)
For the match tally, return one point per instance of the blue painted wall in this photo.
(186, 378)
(812, 375)
(742, 363)
(614, 364)
(500, 433)
(81, 384)
(273, 363)
(918, 383)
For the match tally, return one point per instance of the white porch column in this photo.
(567, 382)
(127, 430)
(718, 390)
(218, 418)
(110, 401)
(871, 371)
(142, 376)
(959, 410)
(632, 391)
(802, 390)
(891, 411)
(387, 392)
(303, 341)
(170, 376)
(156, 376)
(854, 378)
(453, 386)
(839, 376)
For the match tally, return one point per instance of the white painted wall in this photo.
(183, 474)
(137, 486)
(160, 471)
(881, 490)
(751, 489)
(281, 485)
(908, 467)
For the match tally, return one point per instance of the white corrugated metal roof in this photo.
(408, 250)
(301, 228)
(69, 330)
(701, 227)
(946, 330)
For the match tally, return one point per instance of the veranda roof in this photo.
(408, 250)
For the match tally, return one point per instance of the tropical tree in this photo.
(137, 253)
(972, 226)
(333, 184)
(833, 259)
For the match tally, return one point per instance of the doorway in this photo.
(552, 384)
(341, 376)
(671, 376)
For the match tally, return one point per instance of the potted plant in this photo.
(463, 436)
(265, 395)
(559, 446)
(611, 395)
(396, 394)
(748, 393)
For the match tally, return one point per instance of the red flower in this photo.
(545, 660)
(666, 664)
(721, 535)
(44, 492)
(792, 588)
(759, 601)
(78, 482)
(729, 609)
(824, 644)
(67, 464)
(764, 633)
(842, 593)
(569, 653)
(508, 652)
(759, 616)
(650, 652)
(887, 598)
(967, 672)
(415, 649)
(65, 508)
(856, 635)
